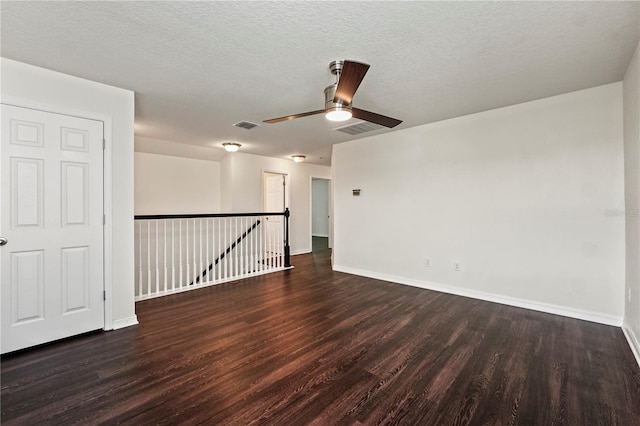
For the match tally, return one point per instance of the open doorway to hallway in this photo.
(320, 214)
(275, 197)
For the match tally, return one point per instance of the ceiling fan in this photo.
(338, 97)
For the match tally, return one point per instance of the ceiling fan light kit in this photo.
(338, 97)
(231, 146)
(338, 114)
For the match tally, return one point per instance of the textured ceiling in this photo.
(199, 67)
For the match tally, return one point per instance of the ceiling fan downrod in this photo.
(336, 69)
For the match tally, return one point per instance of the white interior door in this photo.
(52, 218)
(274, 201)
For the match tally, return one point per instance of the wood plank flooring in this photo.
(313, 346)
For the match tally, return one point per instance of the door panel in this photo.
(27, 287)
(75, 197)
(26, 192)
(75, 279)
(52, 206)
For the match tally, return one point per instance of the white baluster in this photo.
(241, 244)
(148, 258)
(200, 273)
(250, 246)
(263, 228)
(173, 258)
(207, 259)
(188, 280)
(280, 242)
(195, 261)
(247, 227)
(180, 251)
(276, 244)
(218, 252)
(164, 255)
(157, 270)
(224, 248)
(261, 243)
(269, 251)
(273, 245)
(140, 259)
(236, 254)
(233, 235)
(245, 246)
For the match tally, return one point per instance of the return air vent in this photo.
(362, 127)
(246, 125)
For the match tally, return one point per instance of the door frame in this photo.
(329, 207)
(107, 201)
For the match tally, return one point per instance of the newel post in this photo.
(287, 250)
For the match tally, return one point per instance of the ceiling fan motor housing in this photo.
(329, 104)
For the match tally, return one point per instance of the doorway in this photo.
(320, 214)
(274, 190)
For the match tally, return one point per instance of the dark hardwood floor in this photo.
(312, 346)
(319, 243)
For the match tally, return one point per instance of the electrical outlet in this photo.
(427, 262)
(457, 267)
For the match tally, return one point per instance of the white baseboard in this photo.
(303, 251)
(633, 341)
(125, 322)
(320, 235)
(489, 297)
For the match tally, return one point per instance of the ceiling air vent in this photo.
(362, 127)
(246, 125)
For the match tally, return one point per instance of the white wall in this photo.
(178, 149)
(320, 207)
(521, 196)
(44, 88)
(632, 201)
(241, 190)
(174, 185)
(226, 178)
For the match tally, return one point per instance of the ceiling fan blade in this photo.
(294, 116)
(372, 117)
(351, 76)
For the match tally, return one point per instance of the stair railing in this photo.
(175, 253)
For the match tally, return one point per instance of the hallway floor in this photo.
(313, 346)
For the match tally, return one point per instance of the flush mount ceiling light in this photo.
(298, 158)
(231, 146)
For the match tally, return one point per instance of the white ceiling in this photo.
(199, 67)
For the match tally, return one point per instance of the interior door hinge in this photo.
(104, 294)
(104, 144)
(104, 219)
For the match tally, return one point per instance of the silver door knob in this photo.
(3, 241)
